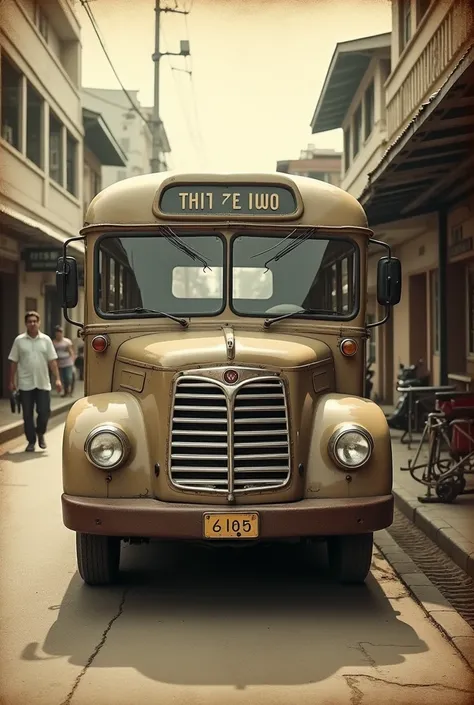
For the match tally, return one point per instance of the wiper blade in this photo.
(269, 321)
(292, 245)
(140, 309)
(173, 239)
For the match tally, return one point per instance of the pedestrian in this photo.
(31, 357)
(66, 357)
(78, 346)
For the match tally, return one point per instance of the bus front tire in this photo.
(350, 557)
(98, 558)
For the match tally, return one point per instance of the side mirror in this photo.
(67, 282)
(389, 281)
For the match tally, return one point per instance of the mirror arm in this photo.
(64, 272)
(382, 244)
(388, 310)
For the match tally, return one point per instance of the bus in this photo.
(225, 331)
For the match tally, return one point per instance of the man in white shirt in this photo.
(31, 357)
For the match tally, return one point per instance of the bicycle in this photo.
(449, 430)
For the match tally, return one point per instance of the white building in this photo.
(132, 133)
(41, 152)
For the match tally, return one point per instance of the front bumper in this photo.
(151, 518)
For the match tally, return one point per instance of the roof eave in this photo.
(100, 140)
(366, 45)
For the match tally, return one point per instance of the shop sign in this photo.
(41, 259)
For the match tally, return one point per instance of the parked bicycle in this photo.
(450, 434)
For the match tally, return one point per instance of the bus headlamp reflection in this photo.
(107, 447)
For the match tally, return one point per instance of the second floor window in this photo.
(369, 110)
(356, 137)
(34, 123)
(11, 101)
(71, 164)
(405, 23)
(347, 148)
(55, 149)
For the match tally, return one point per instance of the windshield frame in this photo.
(320, 234)
(134, 233)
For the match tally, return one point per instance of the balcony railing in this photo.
(450, 38)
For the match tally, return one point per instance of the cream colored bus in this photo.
(225, 333)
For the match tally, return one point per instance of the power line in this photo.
(95, 26)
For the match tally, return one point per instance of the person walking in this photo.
(31, 357)
(66, 357)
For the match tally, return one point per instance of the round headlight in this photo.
(351, 447)
(106, 447)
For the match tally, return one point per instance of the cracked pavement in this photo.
(199, 627)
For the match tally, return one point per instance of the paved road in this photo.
(194, 627)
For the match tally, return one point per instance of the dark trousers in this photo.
(30, 398)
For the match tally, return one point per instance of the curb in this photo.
(14, 430)
(433, 603)
(438, 530)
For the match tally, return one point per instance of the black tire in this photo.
(98, 558)
(350, 557)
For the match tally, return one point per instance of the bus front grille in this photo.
(227, 439)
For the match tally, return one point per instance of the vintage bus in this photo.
(225, 333)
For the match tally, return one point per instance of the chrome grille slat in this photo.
(197, 395)
(263, 444)
(257, 437)
(257, 421)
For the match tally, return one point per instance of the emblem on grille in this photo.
(231, 376)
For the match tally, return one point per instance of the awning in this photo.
(348, 66)
(100, 140)
(431, 163)
(31, 231)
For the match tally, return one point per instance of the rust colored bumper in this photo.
(151, 518)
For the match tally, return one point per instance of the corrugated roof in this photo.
(419, 117)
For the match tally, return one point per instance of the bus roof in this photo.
(139, 200)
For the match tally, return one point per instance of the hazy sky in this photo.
(258, 67)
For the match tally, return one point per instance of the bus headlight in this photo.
(107, 447)
(351, 447)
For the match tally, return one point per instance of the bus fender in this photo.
(323, 476)
(80, 476)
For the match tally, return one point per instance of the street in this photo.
(190, 625)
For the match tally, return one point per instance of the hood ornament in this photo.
(229, 342)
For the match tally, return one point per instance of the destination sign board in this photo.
(228, 200)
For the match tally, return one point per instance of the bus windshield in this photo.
(270, 275)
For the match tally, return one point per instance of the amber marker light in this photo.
(99, 343)
(348, 347)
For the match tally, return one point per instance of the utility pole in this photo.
(155, 124)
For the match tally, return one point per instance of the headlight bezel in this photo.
(119, 434)
(336, 438)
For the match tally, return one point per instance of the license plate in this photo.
(230, 526)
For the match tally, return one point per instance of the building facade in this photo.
(414, 178)
(126, 124)
(322, 164)
(41, 152)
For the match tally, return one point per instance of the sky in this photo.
(258, 67)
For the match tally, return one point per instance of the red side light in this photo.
(99, 343)
(349, 347)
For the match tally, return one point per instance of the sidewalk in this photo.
(450, 526)
(11, 425)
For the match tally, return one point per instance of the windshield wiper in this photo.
(295, 242)
(140, 309)
(173, 239)
(268, 322)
